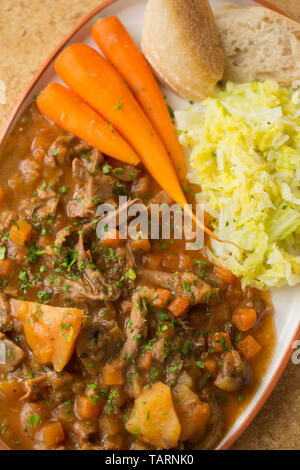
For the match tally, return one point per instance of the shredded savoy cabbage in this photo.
(243, 148)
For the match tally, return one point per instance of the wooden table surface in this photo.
(29, 30)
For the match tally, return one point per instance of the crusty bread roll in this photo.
(181, 42)
(259, 43)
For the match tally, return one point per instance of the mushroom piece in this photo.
(234, 373)
(92, 346)
(10, 355)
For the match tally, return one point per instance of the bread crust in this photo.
(290, 7)
(181, 41)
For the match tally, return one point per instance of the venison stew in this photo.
(111, 343)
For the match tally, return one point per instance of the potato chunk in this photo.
(51, 332)
(192, 413)
(154, 419)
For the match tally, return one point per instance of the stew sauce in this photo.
(159, 327)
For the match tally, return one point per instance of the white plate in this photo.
(286, 299)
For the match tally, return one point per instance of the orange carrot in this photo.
(20, 232)
(118, 46)
(161, 298)
(97, 82)
(249, 347)
(245, 318)
(5, 267)
(66, 109)
(53, 433)
(220, 341)
(178, 306)
(112, 373)
(224, 274)
(111, 238)
(88, 407)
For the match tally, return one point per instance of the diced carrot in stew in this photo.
(51, 332)
(145, 360)
(224, 274)
(5, 267)
(211, 366)
(20, 232)
(245, 318)
(140, 245)
(112, 374)
(249, 347)
(53, 433)
(220, 341)
(161, 298)
(178, 306)
(111, 239)
(152, 261)
(88, 406)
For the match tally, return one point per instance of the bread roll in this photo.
(259, 43)
(181, 42)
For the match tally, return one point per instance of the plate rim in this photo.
(289, 350)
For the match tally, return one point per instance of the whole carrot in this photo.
(66, 109)
(118, 46)
(97, 82)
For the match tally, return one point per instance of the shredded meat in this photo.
(183, 284)
(97, 282)
(34, 387)
(137, 324)
(94, 187)
(5, 318)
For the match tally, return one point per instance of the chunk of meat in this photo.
(174, 367)
(94, 186)
(99, 285)
(5, 317)
(126, 173)
(34, 387)
(59, 151)
(157, 350)
(84, 430)
(48, 209)
(10, 355)
(92, 347)
(185, 285)
(137, 327)
(234, 373)
(30, 169)
(77, 292)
